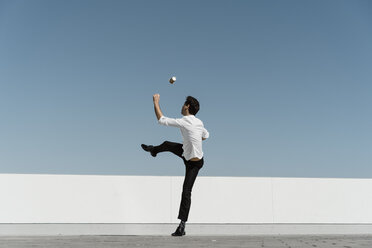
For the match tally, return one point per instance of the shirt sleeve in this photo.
(170, 122)
(205, 134)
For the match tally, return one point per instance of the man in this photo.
(193, 132)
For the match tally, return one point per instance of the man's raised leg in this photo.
(166, 146)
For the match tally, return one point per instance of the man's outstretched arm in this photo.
(161, 118)
(156, 98)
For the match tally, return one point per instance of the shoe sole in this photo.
(179, 235)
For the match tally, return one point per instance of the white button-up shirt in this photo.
(192, 130)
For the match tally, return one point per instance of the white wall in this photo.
(152, 199)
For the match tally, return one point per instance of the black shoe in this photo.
(149, 149)
(180, 231)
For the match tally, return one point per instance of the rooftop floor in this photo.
(278, 241)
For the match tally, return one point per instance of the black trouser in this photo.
(192, 169)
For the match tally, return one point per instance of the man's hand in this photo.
(156, 98)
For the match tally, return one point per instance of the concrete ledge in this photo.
(191, 229)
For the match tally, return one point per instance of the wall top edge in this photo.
(230, 177)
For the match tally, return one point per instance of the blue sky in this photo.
(285, 87)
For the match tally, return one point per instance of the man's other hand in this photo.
(156, 97)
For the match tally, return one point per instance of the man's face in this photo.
(184, 109)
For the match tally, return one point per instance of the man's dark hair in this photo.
(194, 105)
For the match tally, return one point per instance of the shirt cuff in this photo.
(160, 119)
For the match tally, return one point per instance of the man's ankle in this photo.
(183, 223)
